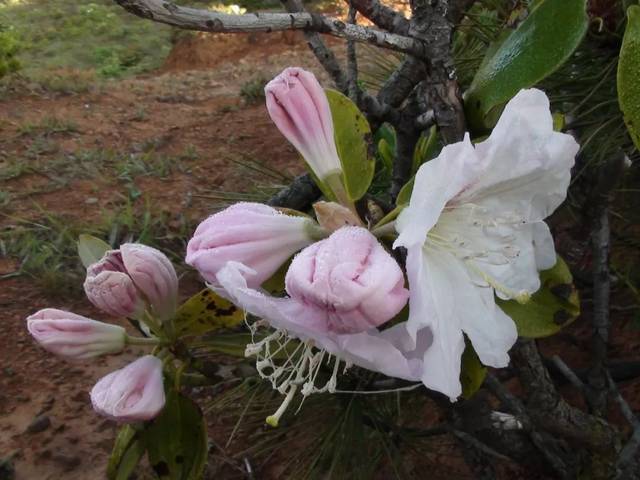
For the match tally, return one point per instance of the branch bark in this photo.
(210, 21)
(299, 195)
(382, 16)
(551, 413)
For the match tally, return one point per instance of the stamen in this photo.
(274, 419)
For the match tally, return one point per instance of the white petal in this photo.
(505, 253)
(544, 248)
(491, 332)
(433, 305)
(526, 165)
(435, 184)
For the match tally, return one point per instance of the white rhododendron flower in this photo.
(474, 228)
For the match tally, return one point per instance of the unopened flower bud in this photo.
(299, 107)
(350, 276)
(74, 336)
(126, 280)
(256, 235)
(134, 393)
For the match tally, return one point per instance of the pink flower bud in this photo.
(73, 336)
(124, 280)
(351, 277)
(256, 235)
(298, 106)
(134, 393)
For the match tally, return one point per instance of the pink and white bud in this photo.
(298, 106)
(124, 281)
(256, 235)
(351, 277)
(134, 393)
(74, 336)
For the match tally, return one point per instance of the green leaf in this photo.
(426, 149)
(405, 193)
(472, 372)
(386, 153)
(352, 135)
(176, 441)
(540, 44)
(128, 449)
(91, 249)
(550, 309)
(204, 312)
(629, 73)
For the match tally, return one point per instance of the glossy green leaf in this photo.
(176, 440)
(472, 372)
(540, 44)
(127, 451)
(629, 73)
(352, 135)
(91, 249)
(204, 312)
(555, 305)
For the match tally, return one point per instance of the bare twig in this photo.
(568, 373)
(600, 238)
(323, 53)
(521, 415)
(382, 16)
(352, 61)
(211, 21)
(627, 459)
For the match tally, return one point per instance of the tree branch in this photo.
(600, 239)
(323, 53)
(299, 195)
(210, 21)
(352, 60)
(382, 16)
(550, 412)
(627, 460)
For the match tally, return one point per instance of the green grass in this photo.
(45, 249)
(96, 35)
(53, 40)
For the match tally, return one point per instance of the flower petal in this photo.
(525, 165)
(390, 352)
(544, 247)
(435, 184)
(432, 304)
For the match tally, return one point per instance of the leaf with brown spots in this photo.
(204, 312)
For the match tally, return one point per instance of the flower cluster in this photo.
(137, 282)
(474, 229)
